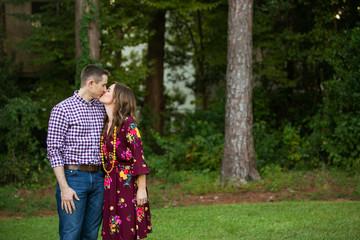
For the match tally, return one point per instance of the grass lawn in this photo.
(277, 220)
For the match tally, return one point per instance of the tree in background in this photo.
(197, 36)
(155, 61)
(238, 163)
(123, 25)
(27, 100)
(87, 36)
(304, 100)
(185, 37)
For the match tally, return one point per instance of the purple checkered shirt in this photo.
(74, 132)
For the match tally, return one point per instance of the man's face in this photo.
(99, 88)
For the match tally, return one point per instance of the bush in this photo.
(201, 151)
(267, 144)
(337, 125)
(22, 159)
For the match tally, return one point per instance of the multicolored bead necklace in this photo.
(102, 153)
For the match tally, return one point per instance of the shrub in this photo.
(337, 125)
(201, 151)
(22, 160)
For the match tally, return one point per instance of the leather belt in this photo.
(83, 168)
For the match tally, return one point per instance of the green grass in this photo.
(280, 220)
(320, 184)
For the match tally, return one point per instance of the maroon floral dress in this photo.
(122, 219)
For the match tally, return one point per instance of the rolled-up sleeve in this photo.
(135, 144)
(58, 125)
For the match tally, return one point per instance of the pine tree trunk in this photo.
(2, 29)
(78, 14)
(238, 163)
(93, 30)
(155, 79)
(94, 35)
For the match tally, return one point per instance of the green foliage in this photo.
(18, 123)
(337, 125)
(204, 149)
(194, 142)
(8, 79)
(267, 144)
(51, 40)
(187, 5)
(88, 15)
(201, 151)
(294, 147)
(306, 69)
(284, 147)
(306, 78)
(124, 30)
(24, 115)
(198, 37)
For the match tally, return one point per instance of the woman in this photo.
(126, 212)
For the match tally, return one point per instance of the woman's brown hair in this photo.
(124, 106)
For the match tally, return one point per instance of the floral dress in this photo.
(122, 218)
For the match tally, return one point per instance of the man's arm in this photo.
(67, 193)
(57, 129)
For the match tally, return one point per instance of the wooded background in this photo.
(305, 78)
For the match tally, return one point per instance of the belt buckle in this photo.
(89, 168)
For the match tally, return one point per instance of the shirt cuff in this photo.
(56, 162)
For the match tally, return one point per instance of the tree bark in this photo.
(93, 30)
(238, 163)
(202, 87)
(78, 14)
(2, 29)
(155, 59)
(94, 34)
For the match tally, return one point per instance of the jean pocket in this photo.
(70, 173)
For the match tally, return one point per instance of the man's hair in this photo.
(93, 71)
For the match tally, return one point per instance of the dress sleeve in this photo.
(56, 135)
(133, 141)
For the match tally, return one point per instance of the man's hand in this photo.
(67, 193)
(67, 199)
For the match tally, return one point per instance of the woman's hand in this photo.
(141, 196)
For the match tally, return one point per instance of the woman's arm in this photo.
(141, 196)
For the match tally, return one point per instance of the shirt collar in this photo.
(80, 99)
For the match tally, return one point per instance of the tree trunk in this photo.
(78, 14)
(93, 30)
(238, 163)
(94, 34)
(155, 59)
(201, 78)
(2, 29)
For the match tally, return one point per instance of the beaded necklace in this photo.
(102, 153)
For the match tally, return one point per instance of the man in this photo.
(73, 150)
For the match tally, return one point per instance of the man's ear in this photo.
(90, 83)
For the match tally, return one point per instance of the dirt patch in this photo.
(248, 197)
(41, 202)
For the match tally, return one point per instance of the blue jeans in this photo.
(83, 223)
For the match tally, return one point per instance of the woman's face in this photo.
(108, 96)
